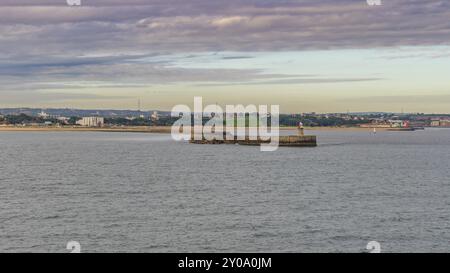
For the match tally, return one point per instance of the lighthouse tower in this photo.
(301, 130)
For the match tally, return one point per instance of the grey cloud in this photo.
(114, 71)
(44, 43)
(23, 65)
(395, 99)
(236, 57)
(297, 81)
(239, 25)
(25, 97)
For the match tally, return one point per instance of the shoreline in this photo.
(130, 129)
(155, 129)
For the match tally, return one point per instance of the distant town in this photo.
(23, 117)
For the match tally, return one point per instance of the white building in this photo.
(155, 116)
(43, 115)
(64, 120)
(91, 122)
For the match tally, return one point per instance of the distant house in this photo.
(399, 123)
(440, 123)
(92, 122)
(435, 123)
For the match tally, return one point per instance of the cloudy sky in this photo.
(306, 55)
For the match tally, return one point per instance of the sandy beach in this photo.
(138, 129)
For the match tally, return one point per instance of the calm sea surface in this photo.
(130, 192)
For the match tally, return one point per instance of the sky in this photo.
(304, 55)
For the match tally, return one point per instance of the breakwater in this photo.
(284, 141)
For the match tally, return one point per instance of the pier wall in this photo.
(284, 141)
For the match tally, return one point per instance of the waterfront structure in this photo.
(92, 121)
(381, 123)
(440, 123)
(283, 141)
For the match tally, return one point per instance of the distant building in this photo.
(92, 121)
(155, 116)
(63, 120)
(440, 123)
(435, 123)
(43, 115)
(399, 123)
(445, 123)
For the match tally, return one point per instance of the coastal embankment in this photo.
(151, 129)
